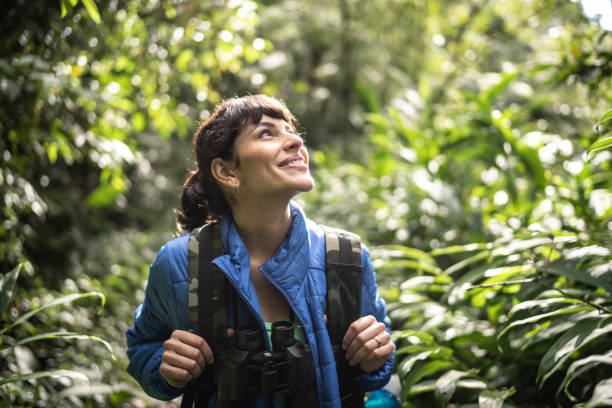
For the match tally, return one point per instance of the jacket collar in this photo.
(286, 269)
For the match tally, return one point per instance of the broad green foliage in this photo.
(457, 137)
(495, 227)
(97, 104)
(605, 141)
(18, 382)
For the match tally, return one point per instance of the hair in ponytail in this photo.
(202, 199)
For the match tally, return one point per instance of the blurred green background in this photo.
(467, 142)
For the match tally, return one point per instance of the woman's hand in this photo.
(185, 357)
(367, 343)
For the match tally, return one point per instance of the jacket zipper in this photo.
(258, 317)
(281, 290)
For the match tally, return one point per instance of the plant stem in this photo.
(538, 279)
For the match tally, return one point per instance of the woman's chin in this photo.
(307, 185)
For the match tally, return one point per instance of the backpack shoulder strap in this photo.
(344, 277)
(206, 304)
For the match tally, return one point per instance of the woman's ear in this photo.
(224, 172)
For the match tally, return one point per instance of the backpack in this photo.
(207, 305)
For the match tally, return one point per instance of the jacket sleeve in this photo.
(152, 327)
(373, 304)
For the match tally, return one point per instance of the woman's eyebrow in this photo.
(266, 124)
(273, 125)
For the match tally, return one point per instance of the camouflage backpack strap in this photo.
(207, 305)
(344, 276)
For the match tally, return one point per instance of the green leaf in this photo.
(423, 369)
(7, 285)
(64, 8)
(425, 337)
(573, 340)
(563, 268)
(408, 264)
(102, 196)
(183, 59)
(407, 364)
(492, 93)
(493, 398)
(536, 318)
(430, 385)
(528, 155)
(520, 245)
(65, 299)
(447, 383)
(42, 374)
(605, 117)
(468, 261)
(63, 335)
(528, 307)
(80, 390)
(138, 122)
(51, 149)
(404, 251)
(602, 395)
(578, 367)
(112, 183)
(602, 143)
(455, 249)
(92, 9)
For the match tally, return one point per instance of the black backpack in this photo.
(208, 306)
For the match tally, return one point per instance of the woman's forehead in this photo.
(267, 121)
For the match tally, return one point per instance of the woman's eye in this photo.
(264, 133)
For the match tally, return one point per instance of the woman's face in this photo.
(273, 160)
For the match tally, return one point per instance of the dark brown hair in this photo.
(202, 199)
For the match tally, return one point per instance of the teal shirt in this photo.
(298, 333)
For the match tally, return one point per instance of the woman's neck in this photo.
(262, 228)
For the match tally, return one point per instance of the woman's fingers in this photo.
(183, 342)
(184, 358)
(367, 343)
(361, 332)
(372, 349)
(172, 359)
(377, 358)
(355, 328)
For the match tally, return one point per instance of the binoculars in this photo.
(248, 368)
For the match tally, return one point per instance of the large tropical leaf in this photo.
(578, 367)
(54, 302)
(572, 341)
(493, 398)
(604, 118)
(61, 335)
(457, 249)
(446, 385)
(422, 369)
(602, 395)
(568, 269)
(76, 375)
(6, 287)
(396, 251)
(538, 317)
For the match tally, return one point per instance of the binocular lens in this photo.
(282, 335)
(248, 338)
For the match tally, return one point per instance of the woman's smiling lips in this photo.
(295, 161)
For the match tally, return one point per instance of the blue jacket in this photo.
(297, 270)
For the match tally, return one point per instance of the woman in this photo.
(250, 164)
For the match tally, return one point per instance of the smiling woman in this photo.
(271, 164)
(250, 163)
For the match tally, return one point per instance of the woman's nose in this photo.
(293, 141)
